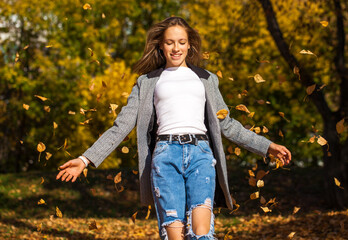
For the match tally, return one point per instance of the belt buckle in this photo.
(179, 138)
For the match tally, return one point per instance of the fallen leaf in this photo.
(94, 226)
(291, 235)
(125, 149)
(40, 97)
(310, 89)
(242, 107)
(324, 23)
(258, 78)
(118, 177)
(338, 183)
(221, 114)
(86, 6)
(340, 126)
(17, 57)
(39, 227)
(205, 55)
(91, 51)
(254, 195)
(296, 209)
(125, 94)
(26, 106)
(231, 78)
(322, 141)
(260, 183)
(58, 213)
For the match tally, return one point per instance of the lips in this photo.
(175, 56)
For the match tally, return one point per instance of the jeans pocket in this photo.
(160, 147)
(204, 146)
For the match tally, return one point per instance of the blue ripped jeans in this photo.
(182, 178)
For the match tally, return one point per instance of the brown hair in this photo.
(153, 57)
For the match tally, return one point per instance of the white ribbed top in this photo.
(179, 101)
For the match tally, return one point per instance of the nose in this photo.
(176, 47)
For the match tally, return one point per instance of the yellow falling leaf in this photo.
(266, 209)
(257, 130)
(307, 52)
(86, 121)
(21, 142)
(55, 125)
(258, 78)
(58, 213)
(83, 111)
(251, 173)
(324, 23)
(264, 129)
(71, 113)
(219, 73)
(125, 94)
(125, 149)
(86, 6)
(260, 183)
(242, 107)
(118, 178)
(41, 201)
(237, 151)
(231, 78)
(340, 126)
(40, 97)
(90, 49)
(48, 155)
(338, 183)
(26, 47)
(297, 72)
(47, 108)
(310, 89)
(148, 212)
(251, 115)
(41, 147)
(254, 195)
(296, 209)
(17, 57)
(103, 15)
(205, 55)
(322, 141)
(135, 172)
(312, 139)
(134, 216)
(42, 180)
(113, 108)
(26, 106)
(291, 235)
(281, 133)
(96, 61)
(85, 172)
(222, 114)
(48, 46)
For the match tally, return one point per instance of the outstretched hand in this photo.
(280, 152)
(71, 170)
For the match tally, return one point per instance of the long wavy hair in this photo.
(153, 56)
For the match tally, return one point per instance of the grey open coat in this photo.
(140, 112)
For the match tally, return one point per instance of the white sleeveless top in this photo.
(179, 99)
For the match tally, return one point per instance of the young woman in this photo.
(174, 105)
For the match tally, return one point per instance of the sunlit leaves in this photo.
(59, 213)
(266, 209)
(26, 106)
(41, 98)
(258, 78)
(243, 108)
(87, 6)
(291, 235)
(324, 23)
(221, 114)
(94, 226)
(41, 201)
(113, 108)
(338, 183)
(260, 183)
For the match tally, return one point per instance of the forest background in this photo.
(65, 73)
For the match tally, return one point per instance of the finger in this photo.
(60, 174)
(68, 178)
(65, 176)
(65, 165)
(74, 179)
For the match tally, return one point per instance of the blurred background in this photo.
(65, 73)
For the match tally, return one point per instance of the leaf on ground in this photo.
(251, 115)
(252, 182)
(94, 226)
(264, 129)
(291, 235)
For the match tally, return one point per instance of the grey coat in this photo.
(140, 112)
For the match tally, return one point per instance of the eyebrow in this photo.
(173, 40)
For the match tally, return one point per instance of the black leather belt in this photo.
(183, 138)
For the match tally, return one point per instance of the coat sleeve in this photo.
(234, 131)
(111, 138)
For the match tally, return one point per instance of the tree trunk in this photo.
(334, 156)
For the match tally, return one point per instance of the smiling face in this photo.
(175, 46)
